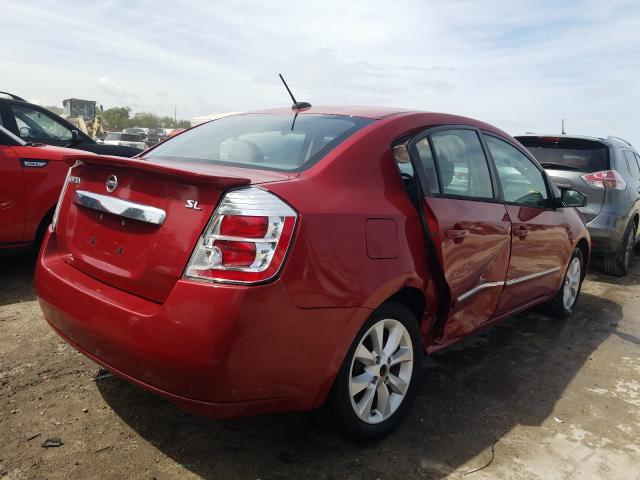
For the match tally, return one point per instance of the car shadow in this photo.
(471, 396)
(16, 276)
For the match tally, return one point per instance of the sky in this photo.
(519, 65)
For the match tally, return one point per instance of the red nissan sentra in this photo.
(275, 260)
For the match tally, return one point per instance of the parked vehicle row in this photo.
(126, 139)
(280, 260)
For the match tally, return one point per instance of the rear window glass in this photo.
(272, 142)
(568, 154)
(127, 137)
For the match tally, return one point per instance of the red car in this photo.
(276, 260)
(31, 177)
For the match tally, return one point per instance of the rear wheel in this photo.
(618, 264)
(566, 299)
(378, 379)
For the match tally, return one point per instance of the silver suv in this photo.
(607, 171)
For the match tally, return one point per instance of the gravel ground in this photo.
(553, 399)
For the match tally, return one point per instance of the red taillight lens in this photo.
(605, 179)
(246, 240)
(244, 226)
(236, 254)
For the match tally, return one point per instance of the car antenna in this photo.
(296, 105)
(563, 132)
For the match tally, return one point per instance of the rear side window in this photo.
(428, 165)
(572, 154)
(632, 164)
(265, 141)
(130, 137)
(461, 163)
(522, 182)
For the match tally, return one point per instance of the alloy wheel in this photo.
(381, 371)
(572, 283)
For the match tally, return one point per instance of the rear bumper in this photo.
(217, 350)
(607, 231)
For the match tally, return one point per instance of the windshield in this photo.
(568, 154)
(272, 142)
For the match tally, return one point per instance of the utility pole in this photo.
(175, 115)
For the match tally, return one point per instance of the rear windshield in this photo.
(568, 154)
(272, 142)
(127, 137)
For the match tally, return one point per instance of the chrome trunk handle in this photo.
(120, 207)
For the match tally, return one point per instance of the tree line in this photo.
(119, 118)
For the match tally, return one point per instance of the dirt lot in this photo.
(556, 399)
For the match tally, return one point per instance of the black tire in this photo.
(42, 229)
(340, 398)
(557, 306)
(618, 265)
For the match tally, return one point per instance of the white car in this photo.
(125, 139)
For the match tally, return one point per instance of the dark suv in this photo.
(607, 171)
(36, 124)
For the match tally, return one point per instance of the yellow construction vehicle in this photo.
(86, 115)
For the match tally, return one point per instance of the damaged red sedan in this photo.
(278, 260)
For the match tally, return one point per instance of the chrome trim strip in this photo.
(120, 207)
(477, 289)
(514, 281)
(526, 278)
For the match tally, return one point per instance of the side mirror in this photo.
(74, 135)
(25, 132)
(573, 198)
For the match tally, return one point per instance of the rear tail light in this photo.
(56, 212)
(606, 179)
(246, 239)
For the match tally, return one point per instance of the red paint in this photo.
(228, 350)
(28, 194)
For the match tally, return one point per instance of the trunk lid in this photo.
(133, 224)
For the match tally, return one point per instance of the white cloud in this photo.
(520, 65)
(112, 88)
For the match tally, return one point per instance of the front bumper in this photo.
(219, 350)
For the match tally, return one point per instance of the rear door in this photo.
(469, 225)
(12, 196)
(539, 238)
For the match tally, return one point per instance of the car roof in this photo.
(379, 113)
(371, 112)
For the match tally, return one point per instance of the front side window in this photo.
(38, 125)
(522, 182)
(462, 164)
(286, 142)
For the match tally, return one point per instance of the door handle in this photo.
(457, 233)
(521, 231)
